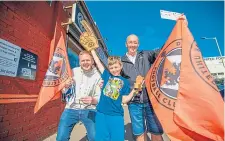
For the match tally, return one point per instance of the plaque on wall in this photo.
(16, 61)
(27, 65)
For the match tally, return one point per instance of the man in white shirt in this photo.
(82, 99)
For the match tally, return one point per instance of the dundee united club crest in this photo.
(165, 76)
(56, 72)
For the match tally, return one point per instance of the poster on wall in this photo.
(27, 65)
(9, 58)
(17, 62)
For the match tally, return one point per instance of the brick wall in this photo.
(30, 25)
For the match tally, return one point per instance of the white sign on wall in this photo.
(215, 64)
(9, 58)
(16, 61)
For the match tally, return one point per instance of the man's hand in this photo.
(139, 83)
(184, 17)
(87, 100)
(87, 39)
(101, 83)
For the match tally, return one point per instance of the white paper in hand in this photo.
(169, 15)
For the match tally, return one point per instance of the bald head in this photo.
(132, 44)
(133, 36)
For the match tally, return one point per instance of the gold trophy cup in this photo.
(138, 84)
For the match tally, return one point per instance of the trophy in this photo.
(138, 84)
(87, 39)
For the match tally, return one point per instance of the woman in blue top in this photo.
(109, 119)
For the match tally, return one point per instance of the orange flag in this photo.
(182, 91)
(57, 76)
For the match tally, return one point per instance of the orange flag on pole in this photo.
(57, 76)
(182, 91)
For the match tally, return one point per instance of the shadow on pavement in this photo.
(128, 132)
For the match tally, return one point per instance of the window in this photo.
(73, 50)
(221, 73)
(73, 58)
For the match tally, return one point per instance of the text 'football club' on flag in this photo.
(182, 91)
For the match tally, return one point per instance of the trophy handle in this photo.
(139, 83)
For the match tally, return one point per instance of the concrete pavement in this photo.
(79, 131)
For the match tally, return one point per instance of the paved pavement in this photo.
(79, 132)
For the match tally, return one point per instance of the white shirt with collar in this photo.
(87, 84)
(131, 58)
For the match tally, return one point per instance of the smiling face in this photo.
(86, 61)
(115, 69)
(114, 65)
(132, 44)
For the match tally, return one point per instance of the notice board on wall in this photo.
(16, 61)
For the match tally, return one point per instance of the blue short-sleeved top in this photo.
(114, 88)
